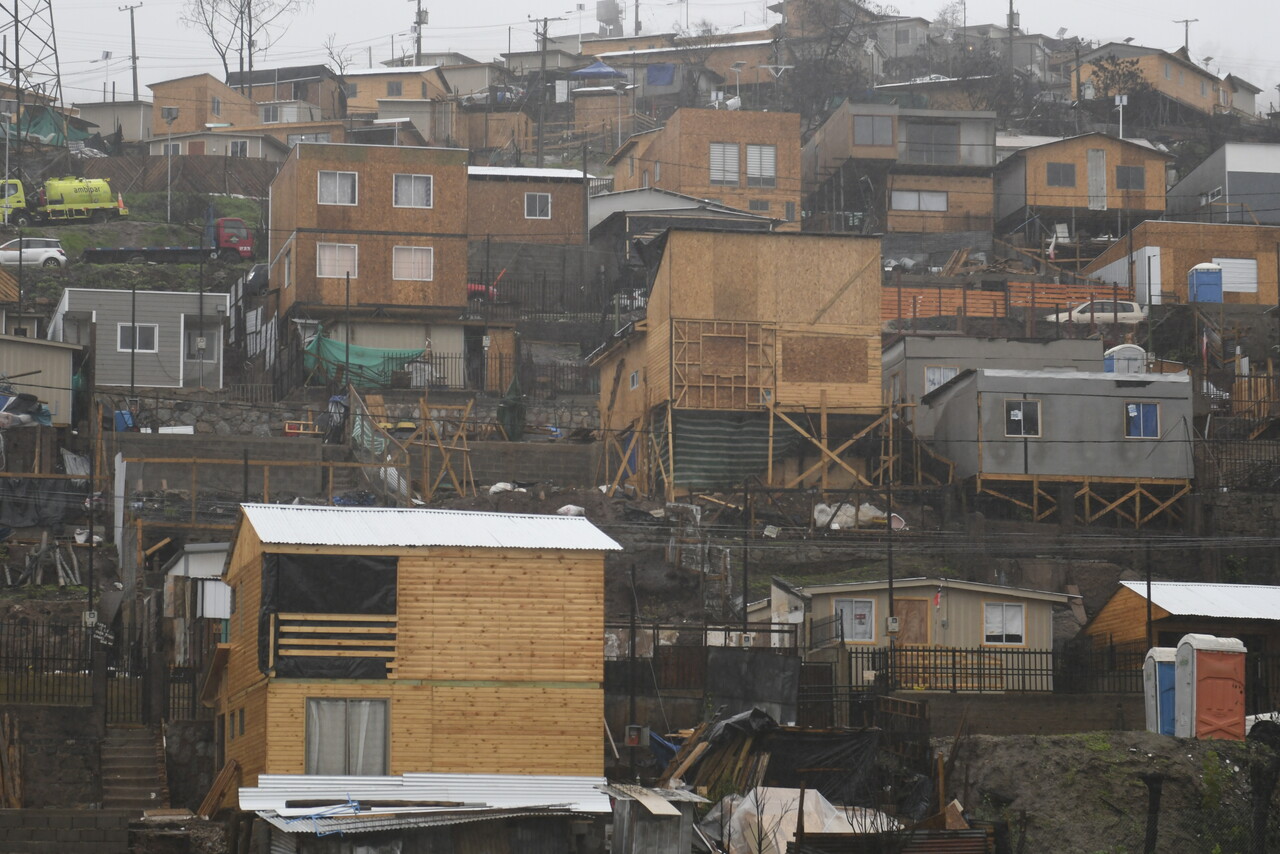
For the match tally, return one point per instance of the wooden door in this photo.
(196, 146)
(913, 621)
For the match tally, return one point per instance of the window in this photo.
(207, 353)
(215, 106)
(791, 212)
(270, 114)
(762, 165)
(412, 263)
(933, 143)
(346, 737)
(171, 148)
(918, 200)
(873, 130)
(758, 205)
(1204, 88)
(644, 178)
(412, 191)
(901, 36)
(295, 138)
(394, 88)
(724, 163)
(146, 336)
(631, 164)
(1142, 421)
(1060, 174)
(1022, 418)
(336, 260)
(657, 172)
(537, 206)
(239, 148)
(937, 375)
(350, 89)
(1131, 178)
(1168, 72)
(635, 380)
(857, 619)
(1002, 622)
(299, 90)
(241, 720)
(336, 188)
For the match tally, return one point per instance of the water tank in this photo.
(1204, 283)
(1158, 688)
(1209, 695)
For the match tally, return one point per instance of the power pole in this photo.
(133, 45)
(542, 80)
(419, 21)
(1013, 22)
(1186, 31)
(637, 16)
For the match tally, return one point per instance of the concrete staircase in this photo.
(133, 769)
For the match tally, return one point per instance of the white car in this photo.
(35, 252)
(1102, 311)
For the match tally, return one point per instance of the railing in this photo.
(993, 669)
(258, 393)
(333, 636)
(45, 663)
(827, 630)
(651, 636)
(1240, 464)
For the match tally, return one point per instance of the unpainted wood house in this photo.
(377, 641)
(741, 329)
(1250, 612)
(527, 205)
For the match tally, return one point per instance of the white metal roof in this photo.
(524, 172)
(404, 69)
(682, 48)
(1200, 599)
(473, 791)
(287, 524)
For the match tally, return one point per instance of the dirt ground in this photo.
(1085, 793)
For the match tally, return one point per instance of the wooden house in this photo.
(1172, 74)
(201, 100)
(1078, 188)
(527, 205)
(742, 329)
(313, 85)
(948, 632)
(376, 641)
(1250, 612)
(747, 160)
(1157, 256)
(366, 87)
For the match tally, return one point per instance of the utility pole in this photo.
(1186, 31)
(133, 45)
(637, 16)
(419, 21)
(1013, 22)
(542, 80)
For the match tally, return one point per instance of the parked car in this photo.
(1102, 311)
(36, 251)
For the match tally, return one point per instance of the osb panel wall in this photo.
(496, 207)
(823, 359)
(620, 404)
(483, 130)
(376, 226)
(970, 204)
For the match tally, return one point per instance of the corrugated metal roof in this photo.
(473, 791)
(287, 524)
(524, 172)
(325, 825)
(1198, 599)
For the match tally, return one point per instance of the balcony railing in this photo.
(333, 636)
(994, 669)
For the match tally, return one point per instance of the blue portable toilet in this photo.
(1158, 685)
(1204, 283)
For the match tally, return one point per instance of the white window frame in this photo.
(337, 187)
(534, 196)
(723, 164)
(412, 252)
(916, 201)
(413, 184)
(1006, 608)
(936, 376)
(635, 380)
(167, 148)
(270, 114)
(355, 260)
(762, 165)
(155, 337)
(240, 145)
(849, 621)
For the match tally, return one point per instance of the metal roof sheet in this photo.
(1200, 599)
(475, 791)
(524, 172)
(325, 825)
(287, 524)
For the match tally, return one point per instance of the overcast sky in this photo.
(1240, 35)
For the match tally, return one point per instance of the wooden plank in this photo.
(353, 618)
(228, 777)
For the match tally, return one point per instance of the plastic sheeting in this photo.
(715, 449)
(764, 821)
(369, 365)
(30, 502)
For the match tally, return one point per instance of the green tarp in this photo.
(720, 449)
(370, 366)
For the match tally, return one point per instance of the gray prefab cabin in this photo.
(146, 339)
(1066, 425)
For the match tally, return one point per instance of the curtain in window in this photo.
(346, 737)
(762, 165)
(337, 188)
(335, 259)
(326, 737)
(412, 262)
(366, 737)
(412, 191)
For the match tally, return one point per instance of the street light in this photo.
(170, 115)
(736, 68)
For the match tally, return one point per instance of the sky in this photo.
(1239, 35)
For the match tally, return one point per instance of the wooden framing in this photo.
(1132, 501)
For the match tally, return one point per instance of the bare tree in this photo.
(241, 28)
(339, 56)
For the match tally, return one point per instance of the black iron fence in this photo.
(45, 663)
(526, 298)
(1242, 464)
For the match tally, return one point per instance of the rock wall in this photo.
(189, 757)
(61, 755)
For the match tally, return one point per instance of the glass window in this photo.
(171, 148)
(1131, 178)
(933, 143)
(537, 206)
(918, 200)
(1060, 174)
(395, 88)
(1003, 623)
(413, 263)
(724, 163)
(412, 191)
(346, 737)
(857, 618)
(295, 138)
(1022, 418)
(937, 375)
(270, 114)
(144, 334)
(239, 148)
(1142, 420)
(762, 165)
(350, 89)
(790, 212)
(336, 260)
(873, 130)
(758, 205)
(215, 106)
(336, 188)
(1168, 72)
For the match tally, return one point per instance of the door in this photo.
(1097, 166)
(1219, 709)
(196, 146)
(346, 737)
(913, 621)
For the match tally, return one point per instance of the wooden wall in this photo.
(193, 96)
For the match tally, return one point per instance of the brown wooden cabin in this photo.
(1250, 612)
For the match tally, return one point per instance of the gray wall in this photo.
(1082, 426)
(1011, 186)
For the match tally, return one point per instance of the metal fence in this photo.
(503, 297)
(1241, 464)
(45, 663)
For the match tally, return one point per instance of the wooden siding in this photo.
(1122, 620)
(1076, 152)
(193, 96)
(370, 88)
(496, 207)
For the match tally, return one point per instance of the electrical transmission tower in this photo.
(29, 53)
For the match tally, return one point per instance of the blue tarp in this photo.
(660, 74)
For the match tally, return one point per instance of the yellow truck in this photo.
(60, 200)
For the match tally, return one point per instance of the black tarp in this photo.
(31, 502)
(324, 584)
